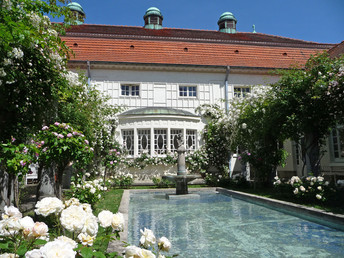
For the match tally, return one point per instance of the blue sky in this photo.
(311, 20)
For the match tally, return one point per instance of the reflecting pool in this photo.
(217, 225)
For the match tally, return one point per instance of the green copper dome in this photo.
(153, 19)
(74, 6)
(153, 11)
(226, 16)
(227, 23)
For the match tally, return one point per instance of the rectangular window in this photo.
(174, 134)
(130, 90)
(241, 92)
(191, 140)
(144, 141)
(338, 143)
(128, 141)
(188, 91)
(160, 141)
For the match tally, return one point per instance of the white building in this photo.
(163, 74)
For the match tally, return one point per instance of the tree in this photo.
(255, 134)
(311, 102)
(32, 66)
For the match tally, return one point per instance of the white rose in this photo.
(319, 188)
(296, 191)
(86, 239)
(117, 222)
(147, 253)
(318, 196)
(35, 253)
(86, 207)
(147, 238)
(133, 251)
(68, 241)
(49, 205)
(93, 190)
(91, 225)
(57, 249)
(27, 224)
(7, 255)
(105, 218)
(11, 212)
(40, 229)
(10, 226)
(302, 189)
(164, 244)
(72, 201)
(73, 218)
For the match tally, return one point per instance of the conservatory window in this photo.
(130, 90)
(338, 143)
(144, 141)
(187, 91)
(241, 92)
(174, 134)
(160, 141)
(128, 141)
(190, 140)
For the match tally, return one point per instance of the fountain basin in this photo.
(181, 182)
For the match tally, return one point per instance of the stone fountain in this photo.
(181, 179)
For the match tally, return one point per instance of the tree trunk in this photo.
(312, 150)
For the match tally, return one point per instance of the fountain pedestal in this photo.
(181, 179)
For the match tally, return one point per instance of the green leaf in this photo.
(99, 254)
(87, 252)
(3, 245)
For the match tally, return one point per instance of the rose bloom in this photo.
(318, 196)
(147, 238)
(91, 225)
(27, 224)
(147, 254)
(7, 255)
(164, 244)
(86, 239)
(105, 218)
(86, 207)
(72, 201)
(35, 253)
(117, 222)
(302, 189)
(133, 252)
(73, 218)
(40, 229)
(10, 226)
(296, 191)
(49, 205)
(11, 212)
(68, 241)
(58, 249)
(319, 188)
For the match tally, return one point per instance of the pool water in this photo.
(217, 225)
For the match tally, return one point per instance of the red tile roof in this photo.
(337, 50)
(119, 44)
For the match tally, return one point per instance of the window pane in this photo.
(128, 141)
(144, 141)
(160, 141)
(190, 140)
(174, 139)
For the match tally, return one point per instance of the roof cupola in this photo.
(153, 19)
(78, 12)
(227, 23)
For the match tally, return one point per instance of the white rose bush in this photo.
(308, 189)
(66, 229)
(149, 246)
